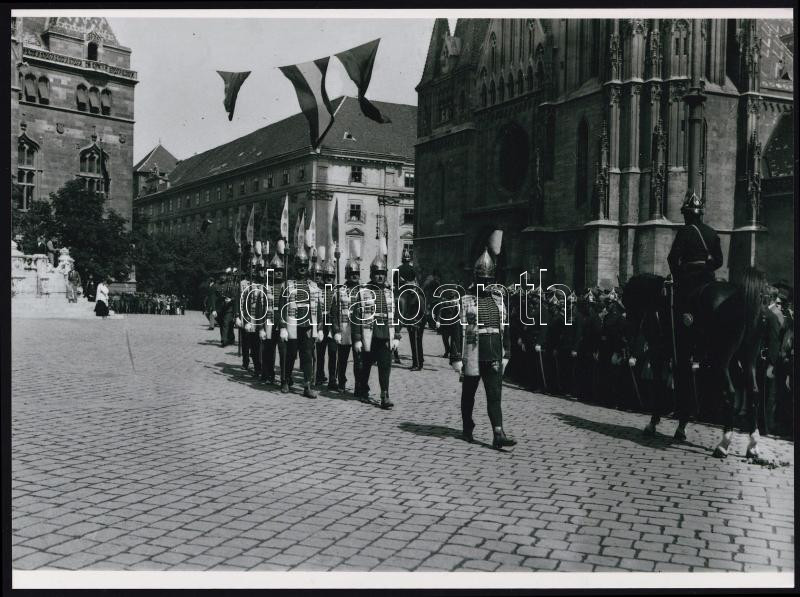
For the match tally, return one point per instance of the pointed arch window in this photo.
(539, 75)
(493, 52)
(492, 94)
(519, 82)
(510, 86)
(92, 51)
(530, 78)
(94, 170)
(501, 88)
(26, 171)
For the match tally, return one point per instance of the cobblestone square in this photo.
(140, 444)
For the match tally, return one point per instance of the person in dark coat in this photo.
(211, 302)
(225, 307)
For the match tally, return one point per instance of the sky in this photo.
(178, 99)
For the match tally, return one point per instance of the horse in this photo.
(726, 325)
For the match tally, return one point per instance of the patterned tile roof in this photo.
(291, 134)
(778, 155)
(34, 27)
(777, 60)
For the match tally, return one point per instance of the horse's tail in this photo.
(753, 284)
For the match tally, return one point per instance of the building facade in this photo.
(72, 95)
(363, 169)
(151, 173)
(572, 136)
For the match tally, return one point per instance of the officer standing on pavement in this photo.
(225, 306)
(480, 348)
(414, 301)
(374, 334)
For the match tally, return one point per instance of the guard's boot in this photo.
(386, 404)
(680, 432)
(396, 356)
(752, 446)
(466, 432)
(721, 451)
(650, 428)
(285, 387)
(308, 391)
(501, 440)
(332, 387)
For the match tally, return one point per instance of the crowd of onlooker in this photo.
(148, 303)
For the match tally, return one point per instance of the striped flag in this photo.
(285, 219)
(311, 235)
(299, 231)
(251, 222)
(358, 63)
(308, 79)
(237, 230)
(333, 236)
(233, 82)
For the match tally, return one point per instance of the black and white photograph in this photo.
(442, 298)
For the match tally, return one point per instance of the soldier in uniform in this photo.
(374, 335)
(414, 302)
(327, 282)
(694, 257)
(299, 313)
(342, 328)
(269, 333)
(253, 310)
(480, 348)
(225, 306)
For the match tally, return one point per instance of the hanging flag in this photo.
(312, 226)
(358, 63)
(299, 231)
(333, 236)
(233, 81)
(251, 225)
(309, 85)
(285, 219)
(237, 230)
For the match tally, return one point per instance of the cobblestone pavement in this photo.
(140, 444)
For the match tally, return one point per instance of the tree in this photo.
(37, 221)
(180, 263)
(96, 236)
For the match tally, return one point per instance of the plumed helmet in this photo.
(301, 258)
(329, 269)
(317, 267)
(276, 262)
(227, 270)
(406, 258)
(378, 264)
(350, 267)
(693, 204)
(484, 266)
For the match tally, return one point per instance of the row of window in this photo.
(34, 89)
(354, 211)
(356, 174)
(90, 171)
(511, 87)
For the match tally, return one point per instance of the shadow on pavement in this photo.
(634, 434)
(437, 431)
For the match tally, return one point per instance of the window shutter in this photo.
(30, 89)
(44, 90)
(105, 101)
(82, 98)
(94, 100)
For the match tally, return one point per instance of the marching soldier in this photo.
(479, 350)
(299, 314)
(269, 333)
(327, 280)
(374, 335)
(253, 310)
(342, 326)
